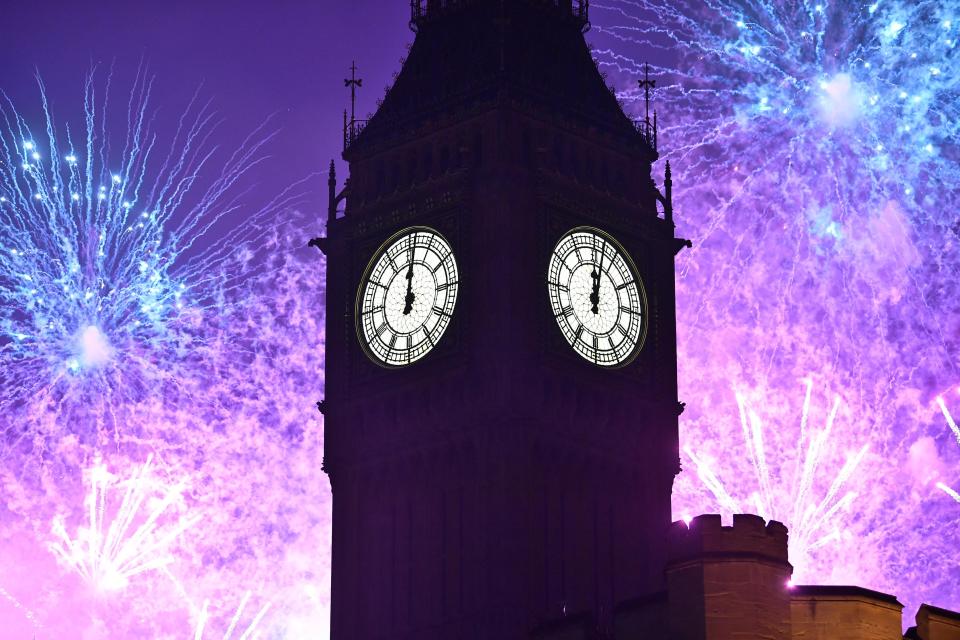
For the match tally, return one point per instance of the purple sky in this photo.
(253, 59)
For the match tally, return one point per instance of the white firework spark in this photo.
(108, 553)
(956, 432)
(813, 520)
(248, 634)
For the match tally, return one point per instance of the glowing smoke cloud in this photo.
(815, 157)
(152, 309)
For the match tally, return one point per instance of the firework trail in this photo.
(249, 632)
(152, 307)
(956, 432)
(815, 156)
(813, 521)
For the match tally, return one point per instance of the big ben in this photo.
(501, 399)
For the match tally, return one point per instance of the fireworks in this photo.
(813, 521)
(150, 310)
(815, 157)
(109, 262)
(107, 553)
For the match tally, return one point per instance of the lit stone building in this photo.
(733, 583)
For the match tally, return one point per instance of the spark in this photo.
(108, 553)
(950, 492)
(956, 433)
(228, 634)
(814, 520)
(27, 613)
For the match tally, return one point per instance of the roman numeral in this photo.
(578, 333)
(382, 329)
(439, 310)
(629, 310)
(562, 287)
(567, 311)
(445, 285)
(373, 310)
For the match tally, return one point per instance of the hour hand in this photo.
(595, 293)
(410, 297)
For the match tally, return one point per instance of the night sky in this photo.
(253, 59)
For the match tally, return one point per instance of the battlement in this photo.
(750, 538)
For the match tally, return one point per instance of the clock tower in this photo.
(501, 399)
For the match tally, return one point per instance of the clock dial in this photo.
(407, 297)
(597, 297)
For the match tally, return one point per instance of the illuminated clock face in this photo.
(407, 297)
(597, 297)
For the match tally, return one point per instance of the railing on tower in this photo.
(648, 130)
(422, 11)
(352, 128)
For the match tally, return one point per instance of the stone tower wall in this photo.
(726, 583)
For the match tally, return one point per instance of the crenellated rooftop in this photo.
(750, 535)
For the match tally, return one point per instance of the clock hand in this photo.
(410, 297)
(595, 274)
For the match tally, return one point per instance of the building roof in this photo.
(843, 591)
(473, 52)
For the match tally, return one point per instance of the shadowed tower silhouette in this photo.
(501, 401)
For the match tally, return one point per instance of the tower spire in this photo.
(646, 84)
(352, 127)
(353, 82)
(648, 129)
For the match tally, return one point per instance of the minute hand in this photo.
(410, 297)
(595, 294)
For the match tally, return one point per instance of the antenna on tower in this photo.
(352, 128)
(648, 129)
(353, 82)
